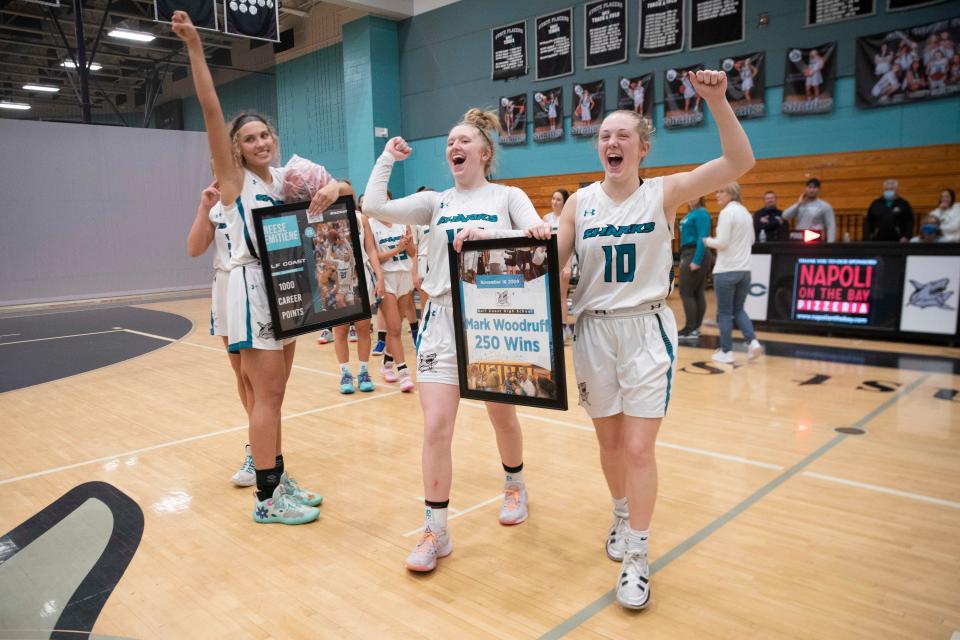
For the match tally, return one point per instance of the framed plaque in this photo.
(507, 319)
(312, 266)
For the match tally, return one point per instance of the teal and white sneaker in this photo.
(346, 383)
(246, 476)
(283, 509)
(364, 383)
(308, 498)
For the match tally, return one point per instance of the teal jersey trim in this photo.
(246, 231)
(235, 347)
(423, 329)
(666, 343)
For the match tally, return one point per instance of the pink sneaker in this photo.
(389, 373)
(406, 384)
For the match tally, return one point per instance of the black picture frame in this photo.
(553, 322)
(299, 262)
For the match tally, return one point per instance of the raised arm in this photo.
(737, 156)
(225, 168)
(202, 230)
(414, 209)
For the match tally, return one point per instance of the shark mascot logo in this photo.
(931, 294)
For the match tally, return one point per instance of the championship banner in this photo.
(909, 65)
(507, 320)
(255, 19)
(682, 106)
(548, 115)
(661, 27)
(588, 108)
(513, 119)
(604, 33)
(509, 51)
(808, 79)
(715, 23)
(636, 94)
(554, 44)
(820, 12)
(203, 13)
(746, 77)
(312, 267)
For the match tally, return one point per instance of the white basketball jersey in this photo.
(624, 249)
(221, 240)
(388, 236)
(239, 216)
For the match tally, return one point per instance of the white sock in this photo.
(637, 540)
(513, 478)
(620, 507)
(363, 366)
(344, 368)
(435, 519)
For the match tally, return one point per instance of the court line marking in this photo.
(8, 335)
(173, 443)
(74, 335)
(660, 443)
(881, 489)
(499, 496)
(609, 597)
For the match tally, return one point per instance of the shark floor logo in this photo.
(931, 294)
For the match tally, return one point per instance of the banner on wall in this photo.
(605, 33)
(554, 44)
(808, 79)
(715, 23)
(930, 288)
(255, 19)
(509, 51)
(513, 119)
(746, 82)
(636, 94)
(548, 115)
(203, 13)
(820, 12)
(682, 106)
(909, 65)
(661, 27)
(588, 108)
(758, 295)
(901, 5)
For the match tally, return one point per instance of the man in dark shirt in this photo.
(889, 218)
(769, 220)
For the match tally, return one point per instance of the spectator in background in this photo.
(695, 264)
(557, 200)
(889, 217)
(813, 213)
(769, 220)
(948, 216)
(929, 231)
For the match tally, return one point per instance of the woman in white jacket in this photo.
(948, 213)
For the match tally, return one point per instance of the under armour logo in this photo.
(591, 212)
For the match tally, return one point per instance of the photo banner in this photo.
(507, 321)
(605, 33)
(203, 13)
(820, 12)
(588, 108)
(255, 19)
(548, 115)
(661, 27)
(808, 79)
(513, 119)
(714, 23)
(636, 94)
(554, 44)
(509, 46)
(682, 106)
(746, 82)
(909, 65)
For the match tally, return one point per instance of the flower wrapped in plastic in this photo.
(302, 179)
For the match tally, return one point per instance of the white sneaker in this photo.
(633, 585)
(247, 475)
(352, 334)
(406, 382)
(326, 337)
(617, 536)
(388, 372)
(755, 350)
(514, 509)
(726, 357)
(429, 547)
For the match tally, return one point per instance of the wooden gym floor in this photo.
(769, 523)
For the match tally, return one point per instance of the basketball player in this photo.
(472, 203)
(396, 253)
(624, 324)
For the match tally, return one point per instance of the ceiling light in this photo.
(19, 106)
(127, 34)
(41, 87)
(69, 65)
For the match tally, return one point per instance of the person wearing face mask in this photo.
(474, 208)
(813, 213)
(769, 220)
(889, 218)
(948, 215)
